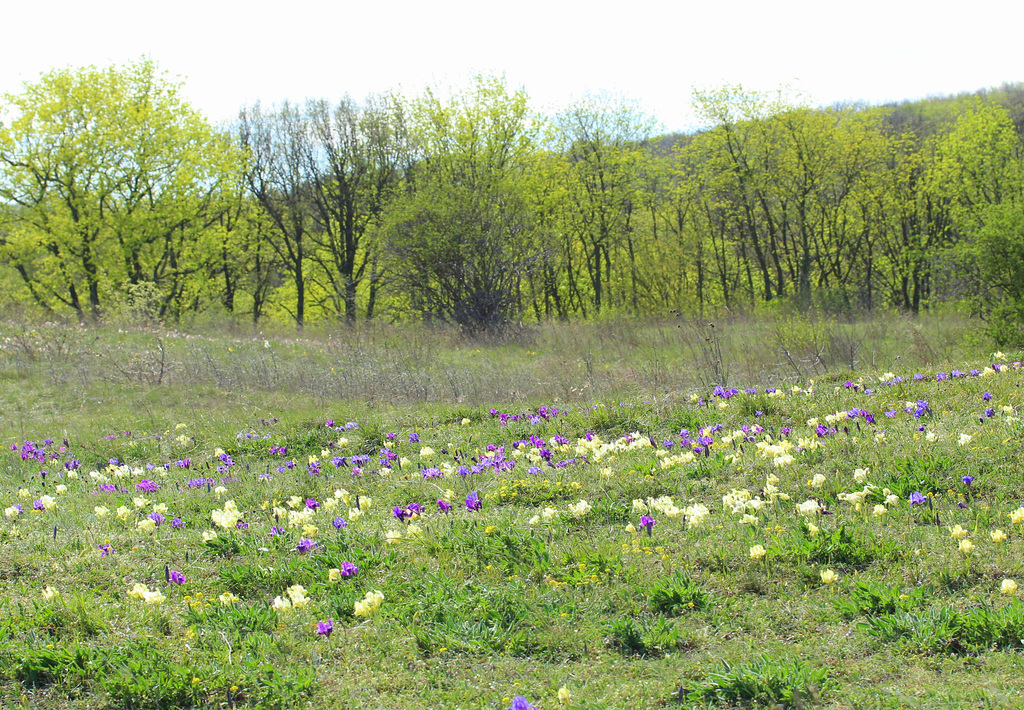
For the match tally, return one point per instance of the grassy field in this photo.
(791, 513)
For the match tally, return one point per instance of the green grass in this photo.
(535, 591)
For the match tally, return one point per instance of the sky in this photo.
(229, 54)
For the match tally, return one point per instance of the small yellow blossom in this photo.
(998, 536)
(757, 552)
(828, 576)
(1008, 587)
(369, 604)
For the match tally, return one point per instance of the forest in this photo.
(471, 208)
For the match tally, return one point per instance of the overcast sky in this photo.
(230, 53)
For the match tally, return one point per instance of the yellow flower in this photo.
(998, 536)
(227, 599)
(1008, 587)
(101, 511)
(828, 576)
(154, 598)
(564, 696)
(757, 552)
(489, 529)
(49, 592)
(966, 546)
(334, 575)
(957, 532)
(1017, 516)
(369, 604)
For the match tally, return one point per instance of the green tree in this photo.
(462, 239)
(602, 140)
(109, 177)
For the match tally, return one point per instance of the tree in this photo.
(461, 240)
(601, 140)
(109, 176)
(358, 157)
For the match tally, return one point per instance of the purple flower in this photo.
(312, 504)
(324, 628)
(444, 506)
(147, 486)
(38, 505)
(473, 501)
(432, 472)
(105, 549)
(176, 577)
(414, 438)
(968, 480)
(648, 522)
(276, 530)
(177, 523)
(401, 513)
(339, 523)
(986, 396)
(156, 518)
(242, 525)
(348, 569)
(521, 703)
(917, 499)
(305, 545)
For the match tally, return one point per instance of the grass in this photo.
(859, 599)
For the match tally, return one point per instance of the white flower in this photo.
(808, 508)
(861, 474)
(964, 439)
(579, 510)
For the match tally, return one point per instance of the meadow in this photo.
(792, 512)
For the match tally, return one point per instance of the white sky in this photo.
(231, 53)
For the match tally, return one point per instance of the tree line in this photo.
(470, 208)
